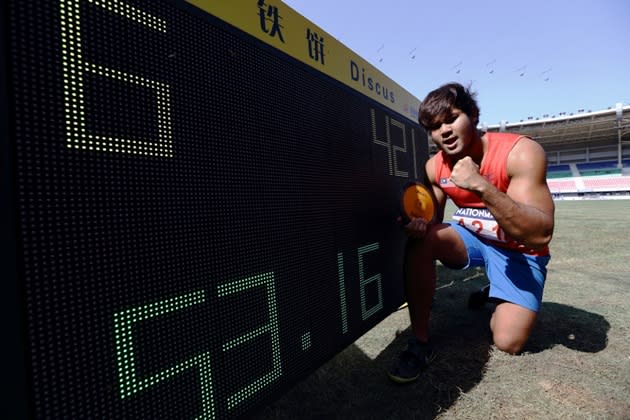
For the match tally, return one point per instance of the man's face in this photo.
(453, 132)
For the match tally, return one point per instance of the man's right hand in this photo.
(416, 228)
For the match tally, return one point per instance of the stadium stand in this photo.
(558, 186)
(620, 183)
(559, 171)
(598, 168)
(588, 153)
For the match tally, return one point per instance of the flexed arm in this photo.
(526, 211)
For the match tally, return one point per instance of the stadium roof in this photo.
(584, 129)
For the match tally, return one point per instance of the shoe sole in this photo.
(403, 380)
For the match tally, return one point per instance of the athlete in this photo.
(504, 223)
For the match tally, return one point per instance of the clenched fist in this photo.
(466, 174)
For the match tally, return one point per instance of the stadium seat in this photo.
(608, 167)
(559, 171)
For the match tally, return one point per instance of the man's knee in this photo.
(509, 343)
(511, 326)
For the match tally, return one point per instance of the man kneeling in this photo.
(504, 223)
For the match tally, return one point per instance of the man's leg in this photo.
(442, 243)
(511, 326)
(517, 281)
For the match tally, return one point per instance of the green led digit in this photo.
(387, 143)
(377, 140)
(414, 153)
(365, 312)
(403, 148)
(265, 280)
(129, 383)
(342, 294)
(75, 67)
(306, 341)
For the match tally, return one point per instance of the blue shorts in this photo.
(514, 277)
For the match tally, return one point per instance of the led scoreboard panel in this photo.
(199, 204)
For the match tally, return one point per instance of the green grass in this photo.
(576, 364)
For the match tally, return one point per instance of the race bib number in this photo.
(481, 222)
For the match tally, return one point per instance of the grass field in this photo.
(576, 364)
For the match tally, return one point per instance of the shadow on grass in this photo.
(354, 386)
(571, 327)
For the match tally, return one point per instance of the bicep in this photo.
(527, 169)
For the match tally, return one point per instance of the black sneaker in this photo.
(478, 299)
(412, 362)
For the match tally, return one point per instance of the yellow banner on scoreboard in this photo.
(278, 25)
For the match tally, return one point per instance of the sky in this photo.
(524, 58)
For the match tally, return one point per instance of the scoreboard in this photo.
(199, 203)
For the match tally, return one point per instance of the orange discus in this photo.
(417, 201)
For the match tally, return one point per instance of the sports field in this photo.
(576, 364)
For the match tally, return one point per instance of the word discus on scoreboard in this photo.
(201, 203)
